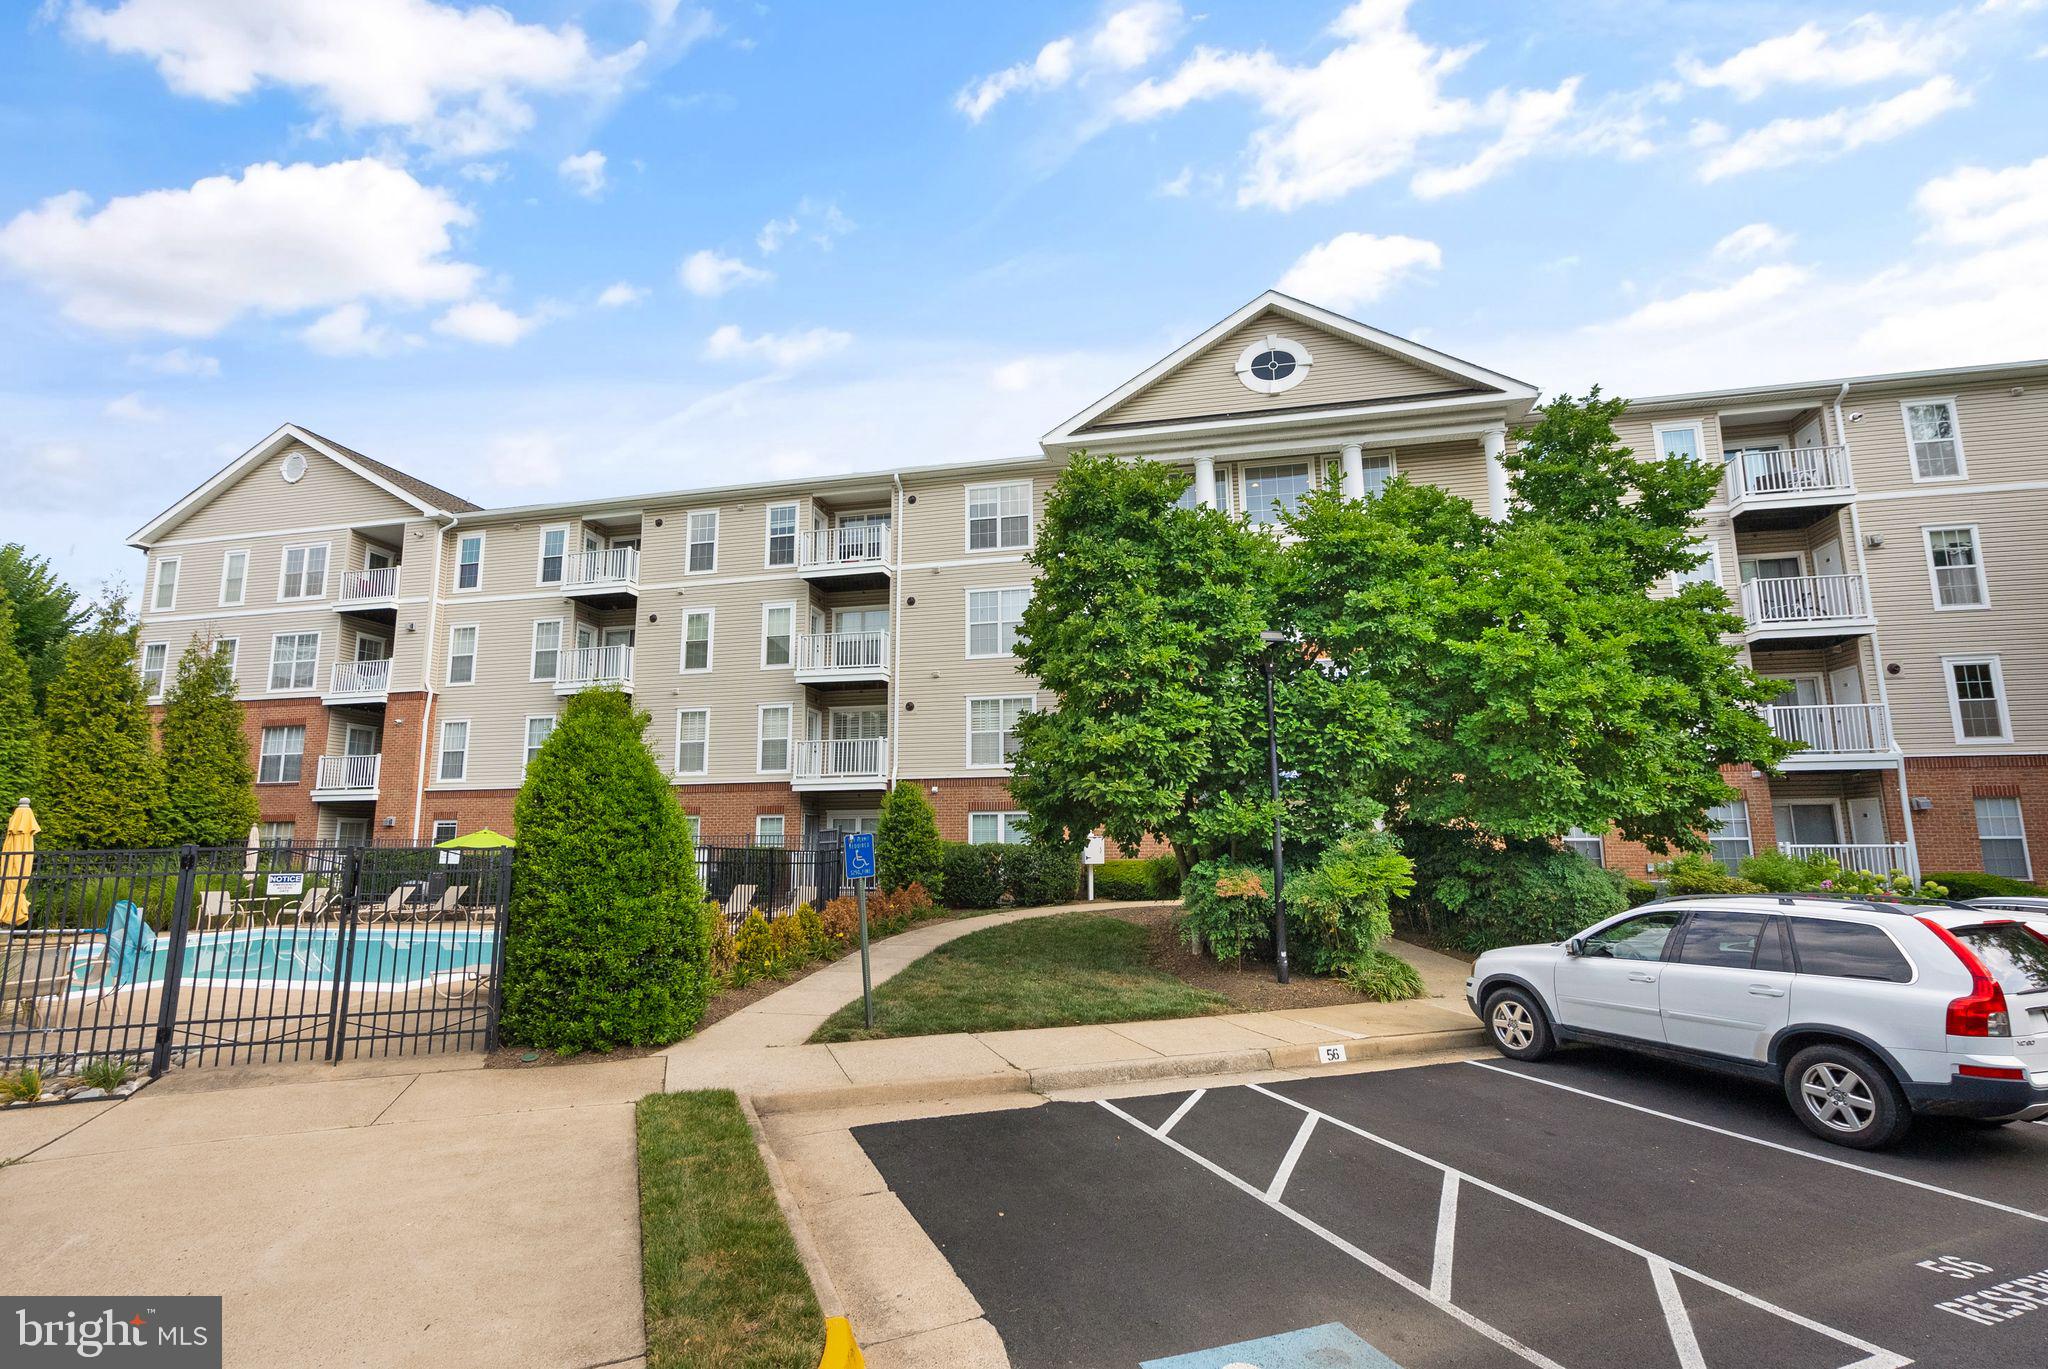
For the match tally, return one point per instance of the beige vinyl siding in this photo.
(2005, 436)
(1343, 371)
(935, 527)
(327, 494)
(1459, 467)
(1637, 431)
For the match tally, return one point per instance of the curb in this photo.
(829, 1302)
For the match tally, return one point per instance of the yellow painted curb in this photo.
(841, 1352)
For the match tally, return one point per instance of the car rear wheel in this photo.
(1842, 1094)
(1515, 1021)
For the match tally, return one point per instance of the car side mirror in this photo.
(1574, 947)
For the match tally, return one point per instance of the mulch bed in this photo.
(1249, 986)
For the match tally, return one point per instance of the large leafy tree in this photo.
(46, 613)
(103, 780)
(209, 787)
(1145, 624)
(21, 733)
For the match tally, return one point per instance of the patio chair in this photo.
(384, 909)
(805, 893)
(217, 907)
(317, 903)
(471, 981)
(738, 902)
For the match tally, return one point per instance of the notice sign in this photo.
(858, 853)
(166, 1333)
(284, 884)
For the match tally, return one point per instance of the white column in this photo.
(1495, 442)
(1352, 466)
(1205, 481)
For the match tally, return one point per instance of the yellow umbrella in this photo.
(17, 860)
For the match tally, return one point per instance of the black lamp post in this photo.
(1272, 639)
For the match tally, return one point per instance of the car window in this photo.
(1723, 938)
(2015, 957)
(1638, 938)
(1847, 950)
(1772, 953)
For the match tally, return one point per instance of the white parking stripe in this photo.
(1280, 1176)
(1773, 1145)
(1446, 1238)
(1676, 1319)
(1181, 1111)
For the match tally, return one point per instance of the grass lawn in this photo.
(1058, 971)
(724, 1286)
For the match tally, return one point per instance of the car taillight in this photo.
(1982, 1011)
(1990, 1072)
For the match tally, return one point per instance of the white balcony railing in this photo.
(348, 774)
(1834, 728)
(367, 586)
(1879, 858)
(844, 758)
(850, 547)
(613, 568)
(587, 666)
(842, 653)
(1794, 599)
(361, 677)
(1789, 471)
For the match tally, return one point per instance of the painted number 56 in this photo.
(1955, 1266)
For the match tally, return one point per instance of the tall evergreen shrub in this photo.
(103, 780)
(209, 785)
(907, 846)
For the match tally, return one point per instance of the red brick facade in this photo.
(1946, 832)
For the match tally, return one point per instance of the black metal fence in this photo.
(191, 956)
(774, 879)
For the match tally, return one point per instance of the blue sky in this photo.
(586, 247)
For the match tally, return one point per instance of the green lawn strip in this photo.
(1060, 971)
(724, 1286)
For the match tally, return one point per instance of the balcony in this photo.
(602, 579)
(856, 556)
(829, 658)
(1787, 486)
(1802, 607)
(590, 667)
(1835, 736)
(367, 591)
(343, 779)
(359, 682)
(1880, 858)
(842, 763)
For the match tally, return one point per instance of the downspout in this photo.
(419, 773)
(896, 531)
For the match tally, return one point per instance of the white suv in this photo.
(1865, 1013)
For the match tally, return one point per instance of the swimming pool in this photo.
(380, 957)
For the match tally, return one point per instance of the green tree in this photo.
(907, 846)
(103, 780)
(609, 937)
(209, 787)
(46, 613)
(1144, 624)
(21, 732)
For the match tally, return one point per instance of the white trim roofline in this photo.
(147, 534)
(1805, 388)
(1300, 311)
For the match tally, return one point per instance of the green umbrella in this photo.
(484, 839)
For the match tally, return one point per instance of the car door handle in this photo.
(1766, 991)
(1639, 977)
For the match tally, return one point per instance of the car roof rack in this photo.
(1862, 903)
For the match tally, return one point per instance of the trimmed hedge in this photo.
(1038, 873)
(1156, 877)
(973, 875)
(1975, 884)
(1474, 894)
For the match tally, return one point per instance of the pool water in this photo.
(386, 957)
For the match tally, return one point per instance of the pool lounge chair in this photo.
(385, 909)
(471, 981)
(737, 903)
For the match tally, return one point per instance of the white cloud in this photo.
(1353, 269)
(1752, 240)
(784, 351)
(1179, 186)
(1129, 38)
(620, 294)
(1861, 51)
(179, 361)
(707, 273)
(584, 172)
(482, 321)
(1975, 206)
(819, 221)
(133, 408)
(1716, 304)
(522, 461)
(346, 331)
(276, 240)
(1784, 142)
(1528, 121)
(458, 80)
(483, 173)
(774, 233)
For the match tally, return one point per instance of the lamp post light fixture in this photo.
(1273, 639)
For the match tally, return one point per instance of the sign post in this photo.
(857, 856)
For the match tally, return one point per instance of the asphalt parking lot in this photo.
(1595, 1209)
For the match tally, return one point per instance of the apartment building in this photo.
(802, 645)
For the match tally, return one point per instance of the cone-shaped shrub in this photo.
(103, 780)
(907, 846)
(209, 798)
(610, 936)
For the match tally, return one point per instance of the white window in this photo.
(1707, 572)
(305, 572)
(547, 648)
(777, 622)
(1677, 439)
(1006, 829)
(454, 751)
(1379, 471)
(234, 578)
(781, 534)
(553, 542)
(774, 739)
(1270, 491)
(999, 516)
(2003, 838)
(229, 649)
(1937, 445)
(462, 654)
(693, 741)
(292, 657)
(537, 730)
(154, 657)
(703, 542)
(697, 639)
(1586, 844)
(1957, 568)
(1976, 698)
(166, 596)
(1272, 365)
(992, 728)
(768, 828)
(696, 825)
(277, 835)
(469, 562)
(444, 830)
(994, 617)
(280, 755)
(1728, 833)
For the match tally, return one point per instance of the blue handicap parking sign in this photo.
(1329, 1346)
(858, 852)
